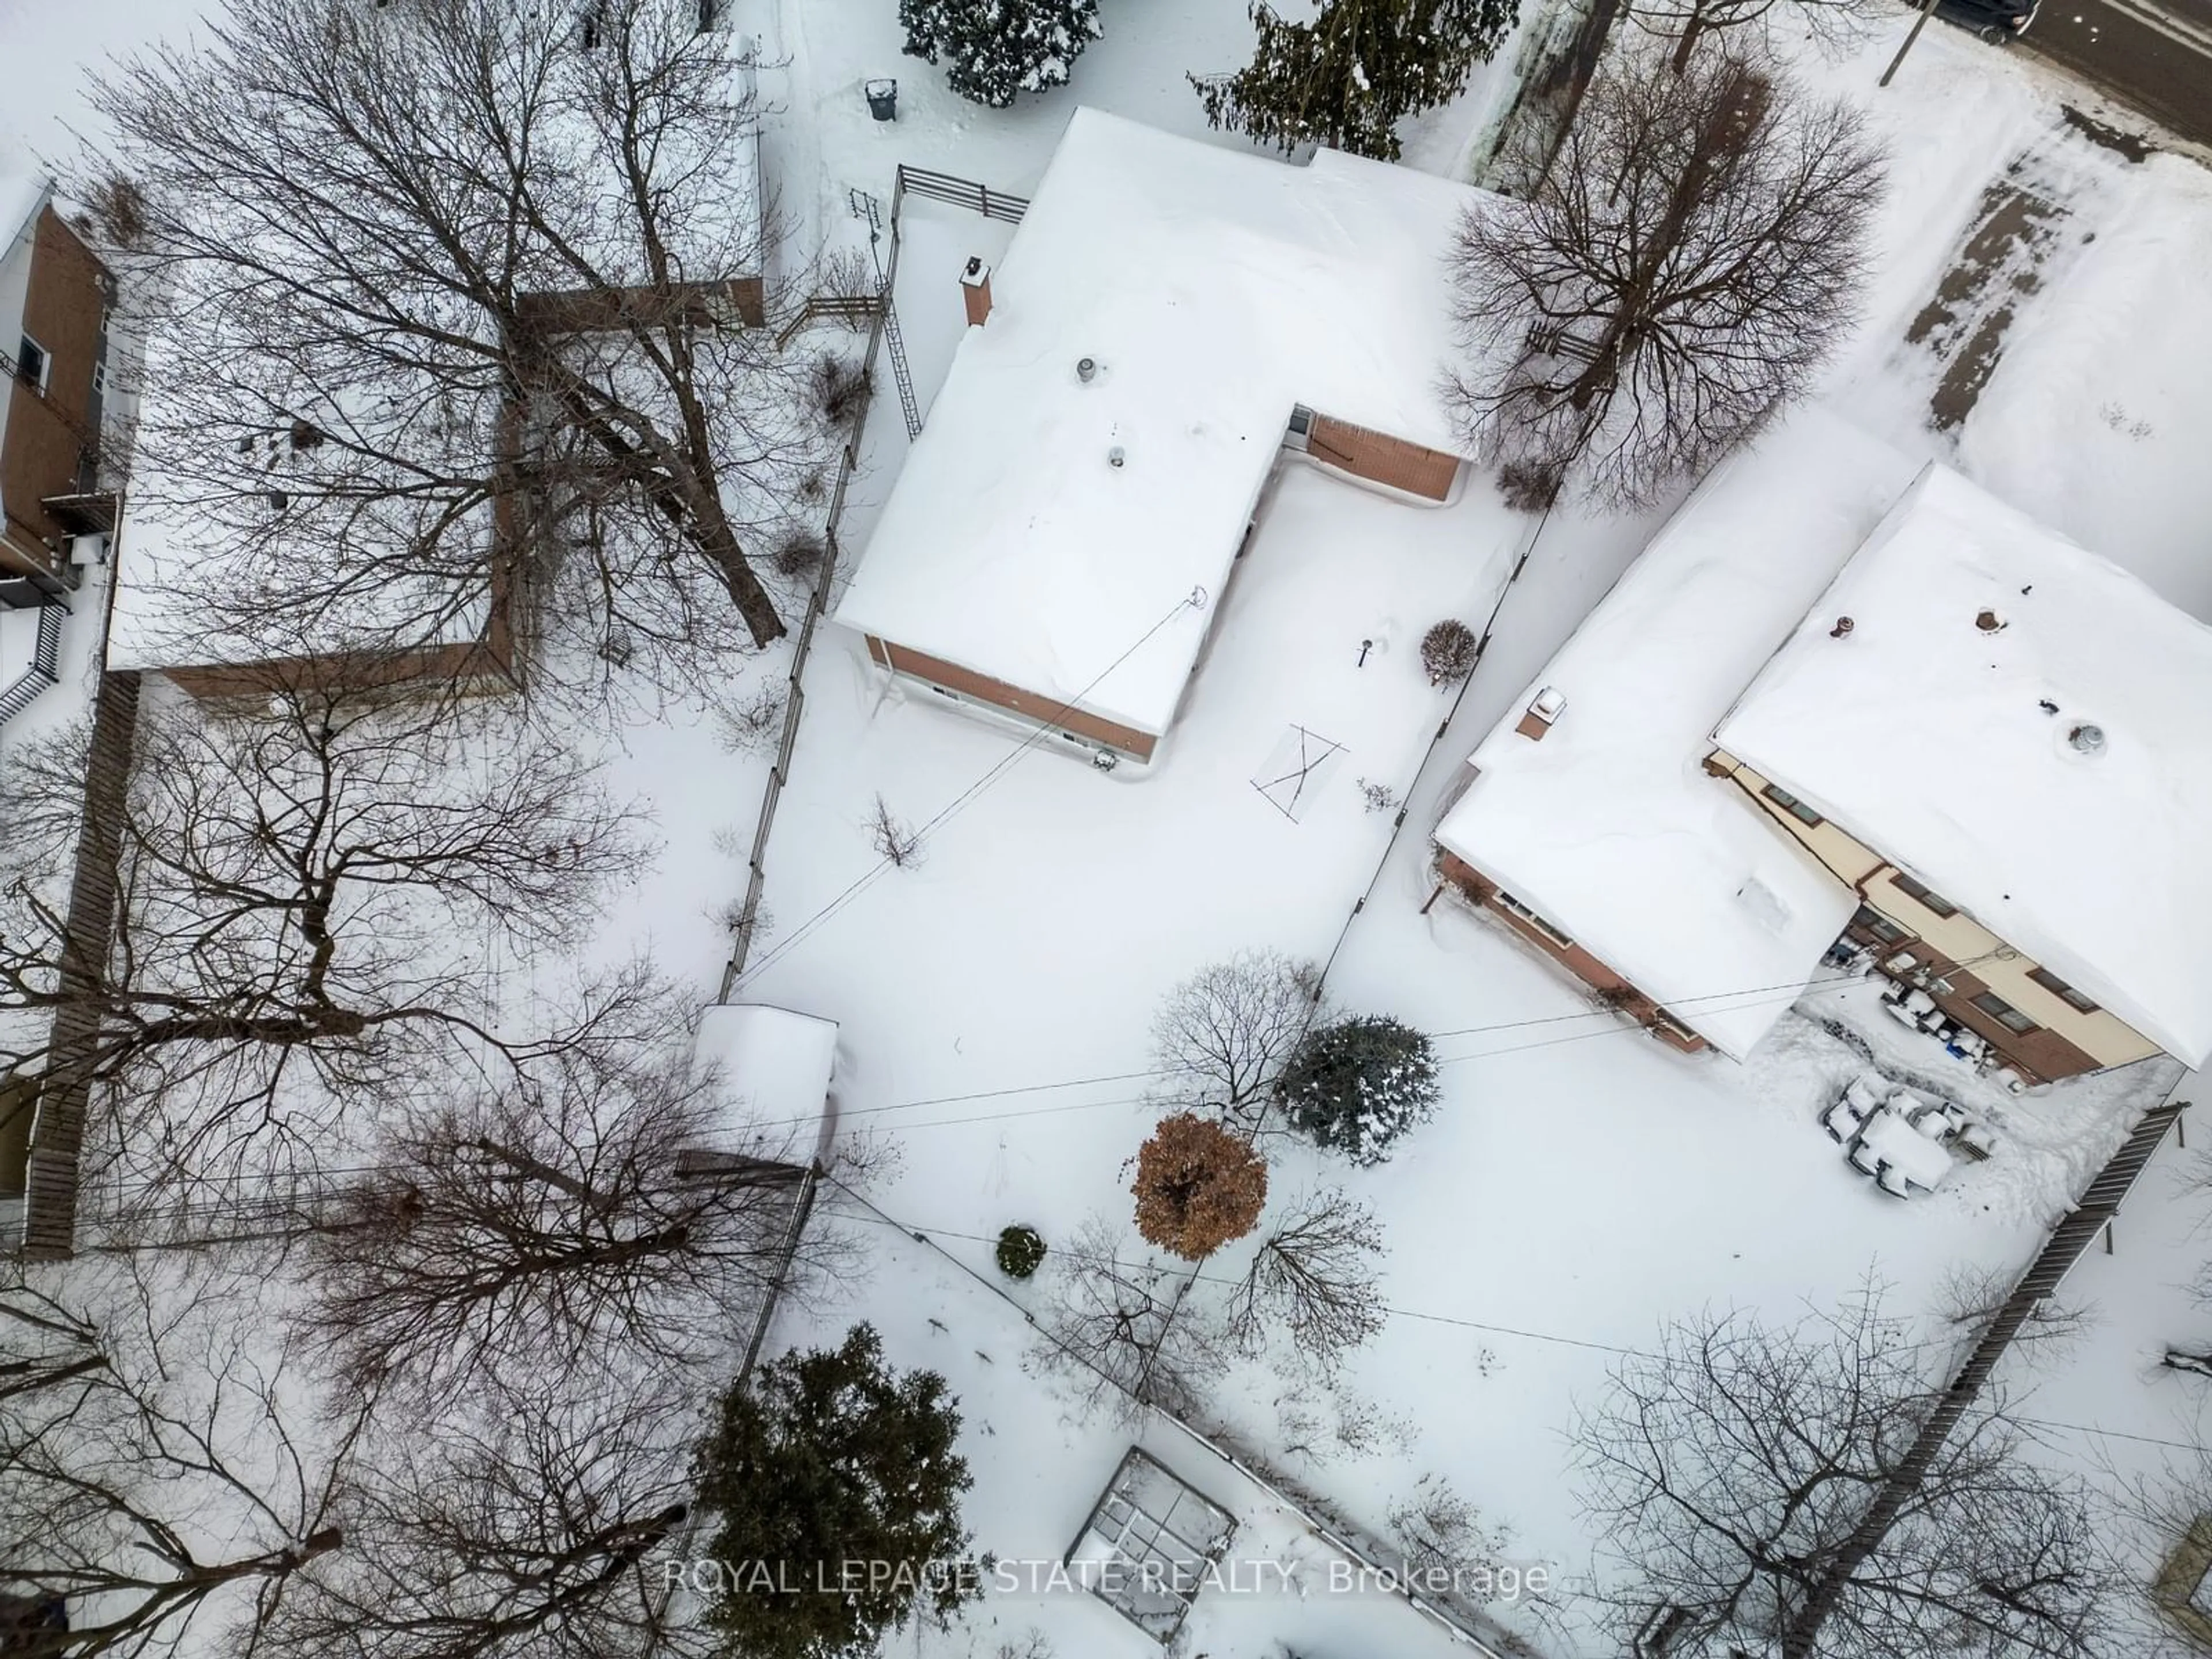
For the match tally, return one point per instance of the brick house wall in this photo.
(1030, 705)
(43, 444)
(1386, 460)
(1615, 991)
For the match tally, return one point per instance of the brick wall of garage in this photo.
(1030, 705)
(1387, 461)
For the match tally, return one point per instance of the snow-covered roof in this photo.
(1958, 751)
(1215, 291)
(1608, 827)
(775, 1062)
(184, 534)
(22, 196)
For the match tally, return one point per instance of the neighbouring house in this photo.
(1832, 699)
(1170, 319)
(55, 297)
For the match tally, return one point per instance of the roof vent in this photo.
(1117, 456)
(2086, 739)
(1086, 369)
(1989, 621)
(1842, 626)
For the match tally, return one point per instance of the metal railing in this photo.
(961, 192)
(882, 337)
(45, 665)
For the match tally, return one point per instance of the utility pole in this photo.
(1918, 24)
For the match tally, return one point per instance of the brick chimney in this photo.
(976, 290)
(1546, 706)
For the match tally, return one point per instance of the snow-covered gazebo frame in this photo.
(1149, 1544)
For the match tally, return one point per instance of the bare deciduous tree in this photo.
(1731, 1474)
(1222, 1036)
(305, 891)
(535, 1522)
(44, 1343)
(1313, 1278)
(1969, 1297)
(579, 1218)
(1437, 1529)
(1117, 1329)
(1834, 23)
(1680, 270)
(177, 1484)
(454, 306)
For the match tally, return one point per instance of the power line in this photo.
(990, 777)
(879, 1217)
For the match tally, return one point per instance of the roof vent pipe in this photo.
(1086, 369)
(2086, 739)
(1117, 456)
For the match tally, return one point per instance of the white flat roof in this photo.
(1929, 740)
(774, 1062)
(1608, 827)
(1215, 291)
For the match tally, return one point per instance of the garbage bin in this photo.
(882, 98)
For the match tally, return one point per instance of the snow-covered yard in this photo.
(1579, 1183)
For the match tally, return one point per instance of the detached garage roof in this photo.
(2026, 728)
(1608, 826)
(1214, 291)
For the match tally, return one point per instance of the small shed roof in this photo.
(2022, 726)
(777, 1062)
(1213, 291)
(1608, 826)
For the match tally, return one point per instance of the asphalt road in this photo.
(2154, 54)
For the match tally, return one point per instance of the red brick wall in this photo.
(1030, 705)
(1621, 995)
(1385, 459)
(62, 312)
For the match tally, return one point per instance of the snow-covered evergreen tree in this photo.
(1354, 1087)
(995, 48)
(1346, 78)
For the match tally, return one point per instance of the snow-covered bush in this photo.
(1198, 1187)
(1448, 651)
(1347, 74)
(995, 48)
(1020, 1251)
(1356, 1087)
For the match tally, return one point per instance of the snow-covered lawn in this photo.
(1580, 1183)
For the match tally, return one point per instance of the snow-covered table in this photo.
(1920, 1160)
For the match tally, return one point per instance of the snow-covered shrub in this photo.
(1347, 73)
(1354, 1087)
(1529, 486)
(1198, 1187)
(1447, 652)
(801, 552)
(840, 389)
(1020, 1252)
(993, 49)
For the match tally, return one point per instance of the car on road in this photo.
(1997, 21)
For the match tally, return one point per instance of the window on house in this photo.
(1789, 803)
(2059, 989)
(32, 364)
(1913, 890)
(1875, 926)
(2003, 1012)
(1506, 901)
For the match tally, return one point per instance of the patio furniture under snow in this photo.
(1888, 1139)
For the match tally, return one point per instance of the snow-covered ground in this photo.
(1579, 1183)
